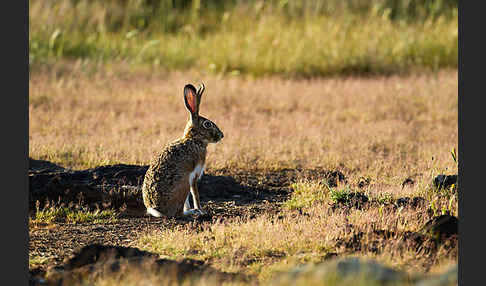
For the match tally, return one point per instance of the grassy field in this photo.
(382, 129)
(386, 128)
(367, 88)
(313, 38)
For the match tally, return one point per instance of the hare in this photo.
(174, 172)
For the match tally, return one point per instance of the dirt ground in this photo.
(226, 195)
(232, 194)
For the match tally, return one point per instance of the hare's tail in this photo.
(154, 212)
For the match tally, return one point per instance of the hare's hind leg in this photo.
(187, 205)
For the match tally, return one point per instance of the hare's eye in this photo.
(207, 124)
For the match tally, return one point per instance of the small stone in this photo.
(408, 182)
(406, 201)
(445, 181)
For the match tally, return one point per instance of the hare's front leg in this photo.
(187, 204)
(194, 177)
(195, 198)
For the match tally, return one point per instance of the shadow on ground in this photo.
(119, 186)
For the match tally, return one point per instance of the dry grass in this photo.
(270, 244)
(384, 128)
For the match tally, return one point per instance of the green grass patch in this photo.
(68, 215)
(37, 261)
(306, 193)
(341, 195)
(384, 198)
(251, 37)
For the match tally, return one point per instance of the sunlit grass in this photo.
(56, 214)
(306, 193)
(270, 244)
(384, 128)
(36, 261)
(255, 38)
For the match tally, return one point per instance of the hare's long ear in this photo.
(200, 91)
(191, 99)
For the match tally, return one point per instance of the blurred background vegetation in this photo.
(304, 38)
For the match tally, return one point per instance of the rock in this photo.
(363, 182)
(413, 202)
(360, 272)
(370, 269)
(340, 270)
(445, 181)
(352, 199)
(408, 182)
(441, 227)
(449, 278)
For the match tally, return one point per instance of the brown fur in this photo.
(166, 184)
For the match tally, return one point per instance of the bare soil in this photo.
(231, 194)
(225, 195)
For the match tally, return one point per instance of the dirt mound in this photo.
(103, 187)
(96, 260)
(441, 227)
(374, 241)
(41, 166)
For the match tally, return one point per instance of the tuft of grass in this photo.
(384, 198)
(55, 214)
(306, 193)
(36, 261)
(341, 195)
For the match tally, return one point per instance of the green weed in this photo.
(341, 195)
(306, 193)
(36, 261)
(68, 215)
